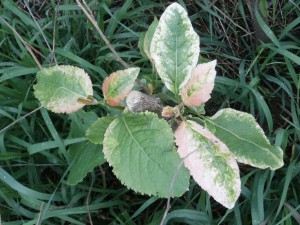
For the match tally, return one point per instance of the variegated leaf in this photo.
(209, 161)
(148, 38)
(199, 87)
(245, 139)
(118, 85)
(58, 88)
(175, 48)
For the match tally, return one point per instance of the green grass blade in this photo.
(12, 183)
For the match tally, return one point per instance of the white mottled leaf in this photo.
(58, 88)
(245, 139)
(209, 161)
(118, 85)
(175, 48)
(198, 89)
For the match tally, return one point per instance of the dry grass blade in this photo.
(90, 16)
(294, 212)
(38, 222)
(21, 118)
(42, 33)
(28, 47)
(88, 202)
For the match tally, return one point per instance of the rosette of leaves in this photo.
(132, 143)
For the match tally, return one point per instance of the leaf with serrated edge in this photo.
(95, 133)
(245, 139)
(175, 48)
(85, 155)
(209, 161)
(142, 158)
(86, 158)
(198, 89)
(59, 87)
(118, 85)
(148, 38)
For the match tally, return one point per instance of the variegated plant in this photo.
(140, 146)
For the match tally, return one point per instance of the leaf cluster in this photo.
(259, 78)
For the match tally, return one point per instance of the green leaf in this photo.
(80, 122)
(199, 110)
(86, 155)
(59, 87)
(86, 158)
(118, 85)
(11, 155)
(149, 37)
(266, 28)
(175, 48)
(246, 139)
(210, 162)
(96, 132)
(142, 158)
(263, 6)
(141, 44)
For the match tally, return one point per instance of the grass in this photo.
(255, 77)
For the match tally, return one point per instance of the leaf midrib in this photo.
(62, 87)
(260, 147)
(176, 56)
(130, 133)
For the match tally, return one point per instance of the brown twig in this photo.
(90, 16)
(103, 176)
(88, 202)
(54, 31)
(21, 118)
(40, 214)
(28, 47)
(41, 31)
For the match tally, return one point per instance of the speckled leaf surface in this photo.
(198, 89)
(95, 133)
(140, 148)
(58, 88)
(246, 139)
(209, 161)
(118, 85)
(175, 48)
